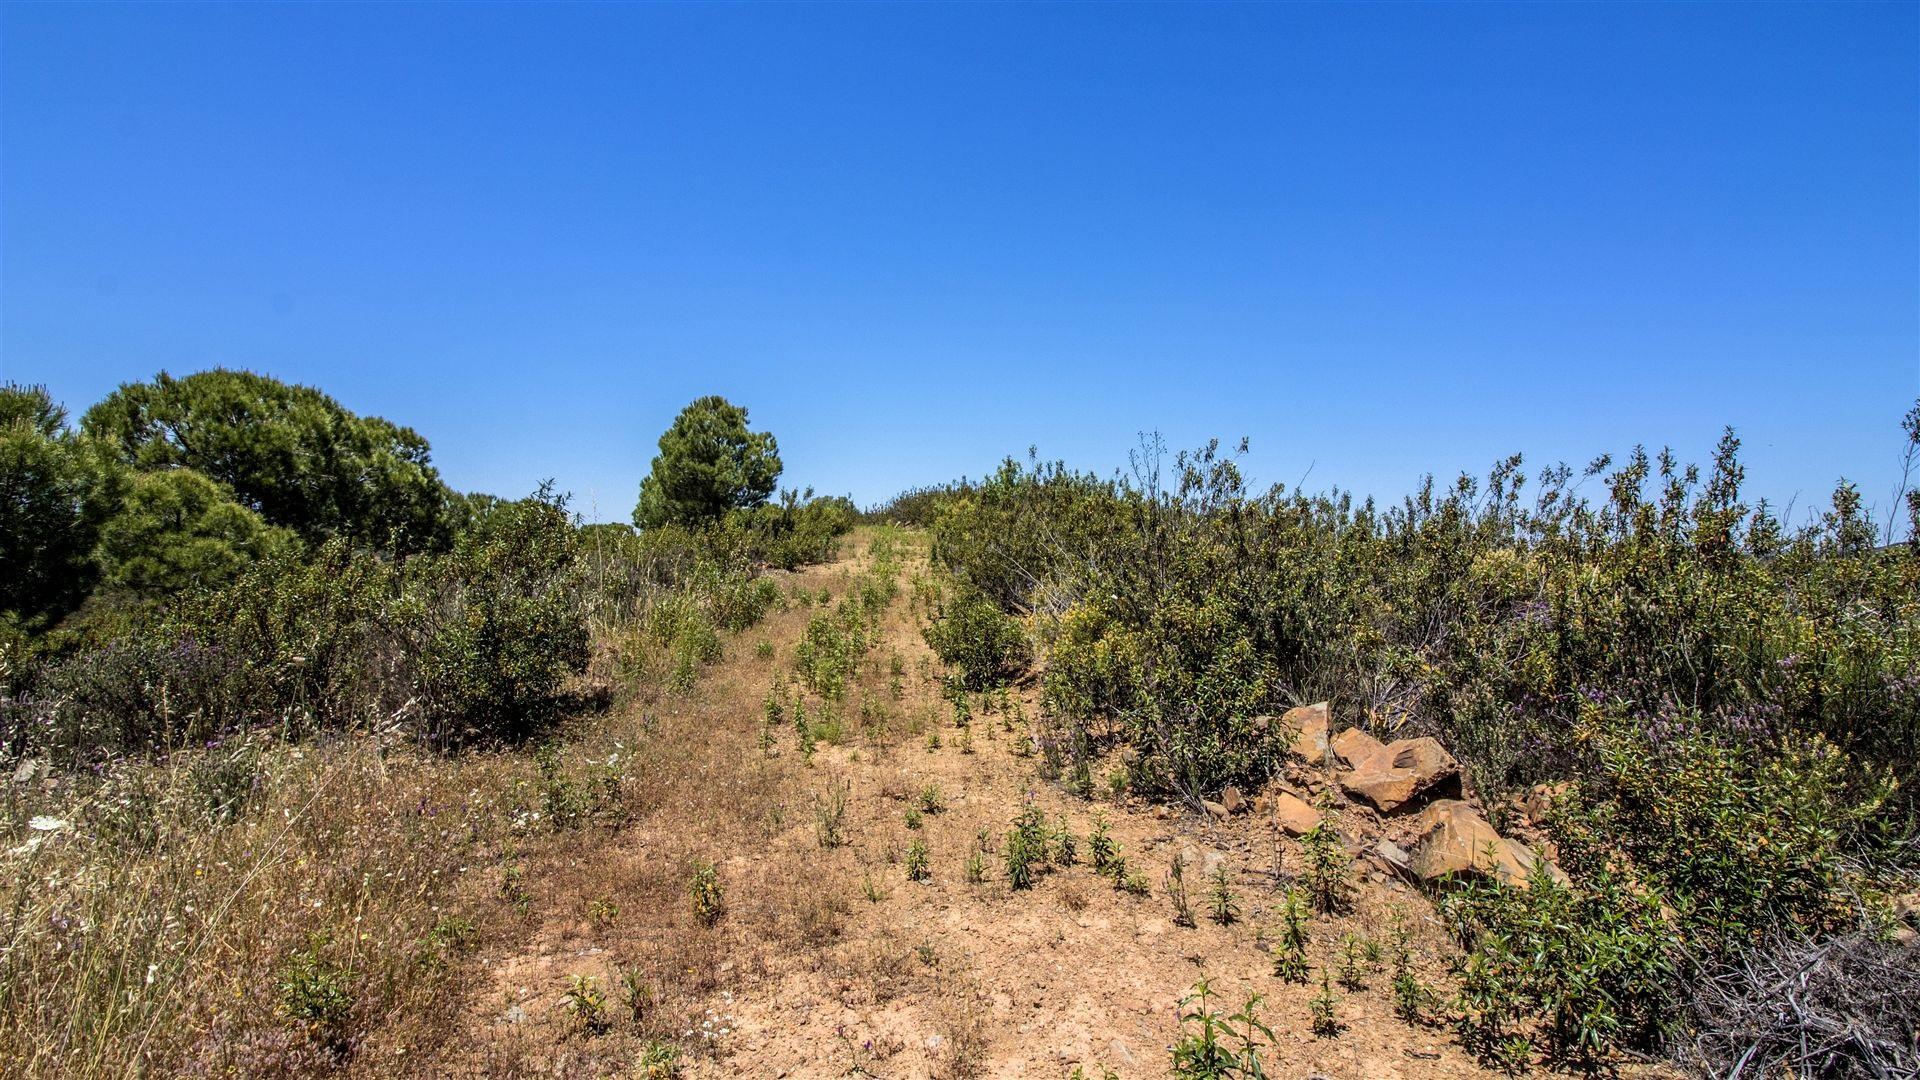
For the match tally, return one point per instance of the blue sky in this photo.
(1379, 240)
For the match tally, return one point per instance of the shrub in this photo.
(974, 637)
(493, 627)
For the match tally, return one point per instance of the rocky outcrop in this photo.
(1353, 746)
(1307, 730)
(1453, 839)
(1395, 775)
(1294, 815)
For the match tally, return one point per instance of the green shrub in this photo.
(970, 634)
(493, 628)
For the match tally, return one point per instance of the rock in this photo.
(1354, 746)
(1455, 839)
(1306, 729)
(1294, 815)
(1117, 1052)
(1214, 808)
(1401, 772)
(1233, 800)
(1393, 857)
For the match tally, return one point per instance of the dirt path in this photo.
(829, 961)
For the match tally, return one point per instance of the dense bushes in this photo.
(472, 644)
(494, 628)
(1733, 704)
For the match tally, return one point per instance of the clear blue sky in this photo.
(1379, 240)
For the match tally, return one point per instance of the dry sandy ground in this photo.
(829, 962)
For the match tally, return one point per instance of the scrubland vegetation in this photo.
(296, 733)
(1723, 707)
(274, 696)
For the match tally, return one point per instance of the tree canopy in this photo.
(709, 463)
(290, 453)
(177, 529)
(56, 491)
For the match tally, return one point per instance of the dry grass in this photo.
(155, 932)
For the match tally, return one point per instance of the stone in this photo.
(1455, 839)
(1231, 798)
(1393, 857)
(1353, 746)
(1306, 730)
(1401, 772)
(1294, 815)
(1216, 809)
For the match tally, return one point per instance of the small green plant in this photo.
(637, 993)
(1100, 846)
(830, 814)
(1290, 956)
(763, 651)
(913, 817)
(976, 868)
(1214, 1044)
(917, 864)
(1353, 963)
(601, 912)
(588, 1004)
(1131, 881)
(930, 800)
(659, 1061)
(1324, 1009)
(803, 731)
(1066, 846)
(1326, 865)
(708, 896)
(870, 888)
(1221, 902)
(1412, 1000)
(1177, 890)
(1026, 846)
(316, 991)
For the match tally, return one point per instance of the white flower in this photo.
(46, 824)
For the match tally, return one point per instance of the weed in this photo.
(1353, 964)
(1324, 1009)
(763, 651)
(1412, 999)
(1026, 847)
(1290, 957)
(913, 817)
(1326, 865)
(637, 993)
(706, 893)
(1213, 1044)
(976, 868)
(317, 992)
(1066, 847)
(830, 814)
(1177, 890)
(1100, 846)
(1221, 902)
(658, 1061)
(588, 1004)
(601, 912)
(930, 800)
(917, 864)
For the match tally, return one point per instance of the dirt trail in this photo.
(830, 962)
